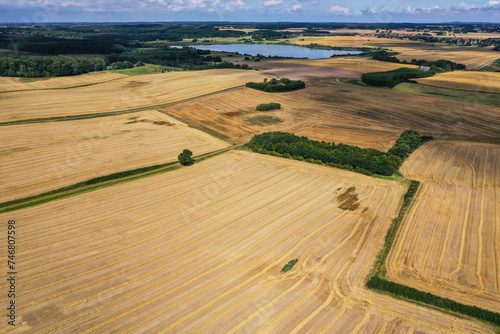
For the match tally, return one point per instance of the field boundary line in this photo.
(98, 182)
(377, 282)
(111, 113)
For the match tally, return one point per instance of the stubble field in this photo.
(122, 94)
(357, 64)
(200, 249)
(9, 84)
(449, 243)
(474, 81)
(328, 103)
(45, 156)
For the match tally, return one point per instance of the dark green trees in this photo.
(185, 158)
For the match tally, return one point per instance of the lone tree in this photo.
(185, 158)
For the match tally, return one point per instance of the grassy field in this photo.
(488, 82)
(57, 154)
(470, 96)
(17, 84)
(201, 249)
(357, 64)
(330, 104)
(449, 243)
(126, 93)
(141, 70)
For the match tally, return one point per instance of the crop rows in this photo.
(201, 249)
(449, 244)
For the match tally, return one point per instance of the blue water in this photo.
(275, 50)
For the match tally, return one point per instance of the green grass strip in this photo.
(99, 182)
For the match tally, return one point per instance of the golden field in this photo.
(122, 94)
(44, 156)
(345, 41)
(465, 80)
(16, 84)
(200, 249)
(328, 103)
(471, 57)
(358, 64)
(449, 243)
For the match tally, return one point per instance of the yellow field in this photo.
(16, 84)
(121, 94)
(449, 243)
(466, 80)
(200, 249)
(346, 41)
(44, 156)
(471, 57)
(352, 64)
(328, 103)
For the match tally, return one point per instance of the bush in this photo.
(268, 106)
(289, 266)
(185, 158)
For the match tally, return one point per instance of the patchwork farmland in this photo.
(122, 94)
(59, 154)
(206, 251)
(449, 243)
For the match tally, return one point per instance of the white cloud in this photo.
(295, 8)
(271, 3)
(338, 10)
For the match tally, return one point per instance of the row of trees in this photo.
(362, 160)
(367, 161)
(274, 85)
(45, 66)
(438, 65)
(394, 77)
(408, 142)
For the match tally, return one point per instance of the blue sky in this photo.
(41, 11)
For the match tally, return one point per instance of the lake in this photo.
(275, 50)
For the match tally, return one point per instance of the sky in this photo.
(374, 11)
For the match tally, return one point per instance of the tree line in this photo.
(362, 160)
(438, 65)
(394, 77)
(14, 65)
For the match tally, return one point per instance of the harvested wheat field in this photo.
(328, 103)
(357, 64)
(16, 84)
(44, 156)
(471, 57)
(346, 41)
(377, 139)
(449, 243)
(303, 70)
(465, 80)
(201, 249)
(127, 93)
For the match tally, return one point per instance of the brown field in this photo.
(466, 80)
(303, 70)
(449, 243)
(44, 156)
(127, 93)
(357, 64)
(200, 249)
(327, 103)
(16, 84)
